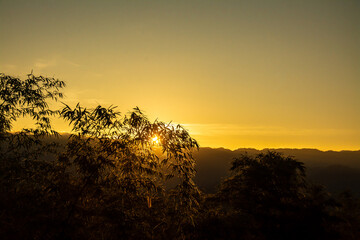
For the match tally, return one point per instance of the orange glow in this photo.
(286, 76)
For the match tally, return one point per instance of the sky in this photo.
(259, 74)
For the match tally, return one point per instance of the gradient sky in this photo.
(235, 73)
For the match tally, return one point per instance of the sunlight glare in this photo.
(155, 140)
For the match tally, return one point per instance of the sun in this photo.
(155, 140)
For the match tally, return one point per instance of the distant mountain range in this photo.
(337, 171)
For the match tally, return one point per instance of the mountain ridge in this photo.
(336, 170)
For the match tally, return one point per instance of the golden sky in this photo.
(235, 73)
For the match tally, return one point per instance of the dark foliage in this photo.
(26, 174)
(109, 182)
(268, 197)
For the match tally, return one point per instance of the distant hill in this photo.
(337, 171)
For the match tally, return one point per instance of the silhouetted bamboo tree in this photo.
(24, 174)
(114, 153)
